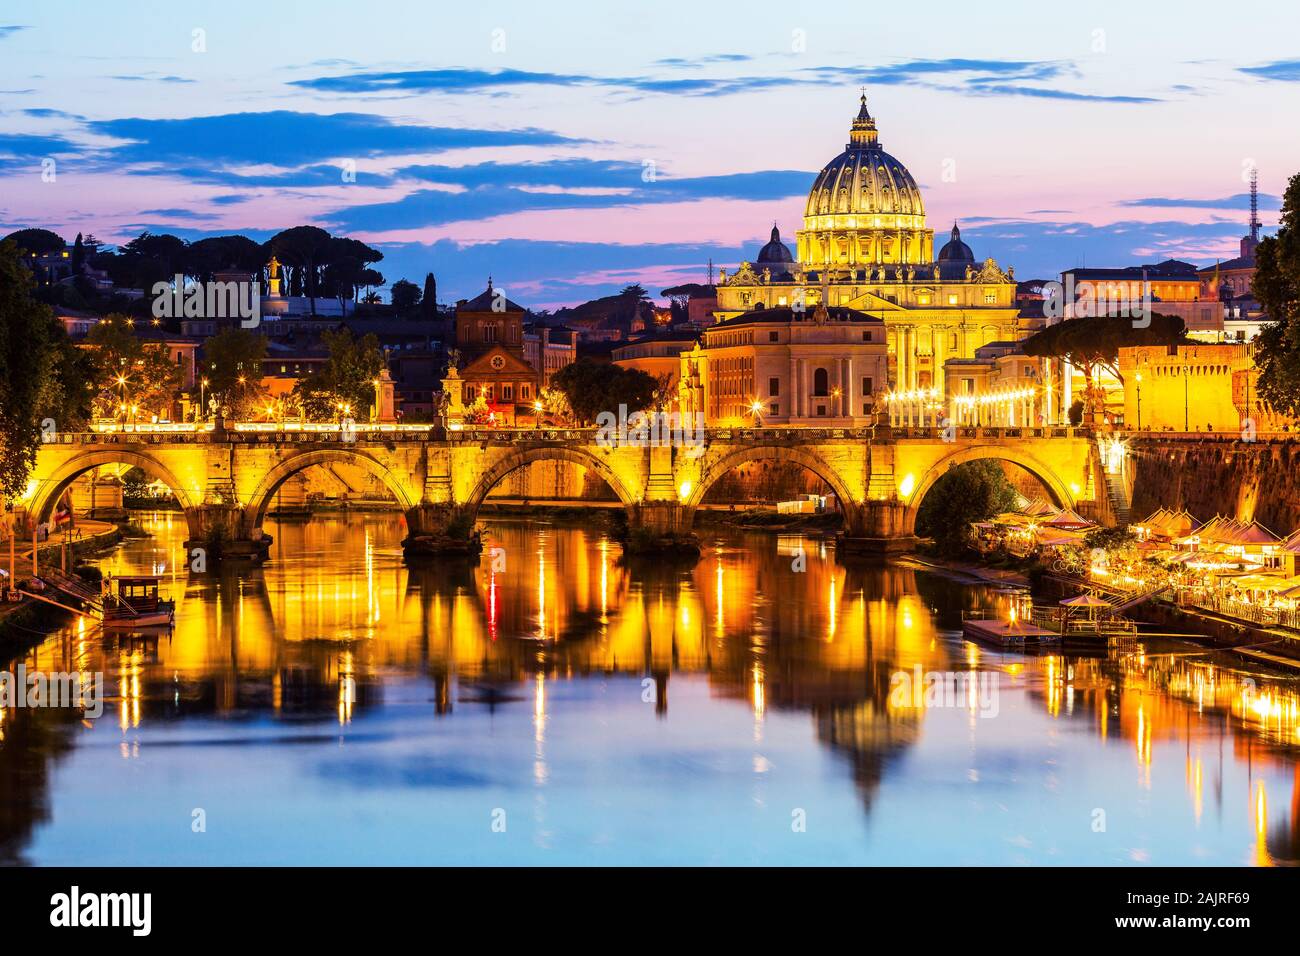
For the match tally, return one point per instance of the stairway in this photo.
(1117, 491)
(73, 587)
(1139, 598)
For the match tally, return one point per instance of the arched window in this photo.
(820, 382)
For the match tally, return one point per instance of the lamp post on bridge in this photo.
(1139, 391)
(1186, 427)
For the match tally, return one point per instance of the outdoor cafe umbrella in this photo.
(1089, 601)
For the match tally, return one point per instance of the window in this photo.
(774, 408)
(866, 336)
(821, 383)
(508, 392)
(523, 391)
(773, 336)
(952, 342)
(952, 299)
(774, 387)
(867, 385)
(990, 297)
(821, 409)
(866, 408)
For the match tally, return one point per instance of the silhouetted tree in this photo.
(1277, 287)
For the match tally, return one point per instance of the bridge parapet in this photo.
(224, 479)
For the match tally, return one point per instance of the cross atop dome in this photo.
(862, 134)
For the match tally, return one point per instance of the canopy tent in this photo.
(1254, 534)
(1088, 602)
(1058, 540)
(1013, 517)
(1167, 524)
(1067, 518)
(1209, 533)
(1039, 508)
(1084, 600)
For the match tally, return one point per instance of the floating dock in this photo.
(1006, 634)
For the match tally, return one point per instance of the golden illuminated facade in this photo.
(865, 246)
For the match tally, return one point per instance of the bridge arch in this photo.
(51, 488)
(515, 460)
(260, 500)
(788, 453)
(1057, 488)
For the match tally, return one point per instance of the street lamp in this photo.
(537, 415)
(203, 384)
(757, 409)
(1139, 391)
(1185, 422)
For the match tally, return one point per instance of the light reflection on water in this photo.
(338, 707)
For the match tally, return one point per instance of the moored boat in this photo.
(133, 604)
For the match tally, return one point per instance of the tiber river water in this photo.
(338, 707)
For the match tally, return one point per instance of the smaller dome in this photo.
(954, 250)
(775, 252)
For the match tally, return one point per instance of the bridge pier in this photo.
(441, 529)
(878, 527)
(660, 527)
(218, 533)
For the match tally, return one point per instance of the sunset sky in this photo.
(568, 154)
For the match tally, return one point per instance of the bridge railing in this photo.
(423, 433)
(988, 431)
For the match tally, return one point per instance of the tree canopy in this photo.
(346, 379)
(1277, 288)
(405, 295)
(974, 491)
(232, 364)
(28, 355)
(39, 241)
(592, 387)
(1093, 343)
(129, 370)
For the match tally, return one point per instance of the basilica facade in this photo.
(865, 246)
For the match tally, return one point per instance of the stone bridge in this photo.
(225, 479)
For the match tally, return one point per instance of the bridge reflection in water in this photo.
(336, 632)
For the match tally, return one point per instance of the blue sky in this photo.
(570, 149)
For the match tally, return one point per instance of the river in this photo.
(767, 705)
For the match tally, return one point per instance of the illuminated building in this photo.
(548, 350)
(780, 366)
(490, 337)
(1195, 388)
(659, 356)
(865, 246)
(999, 386)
